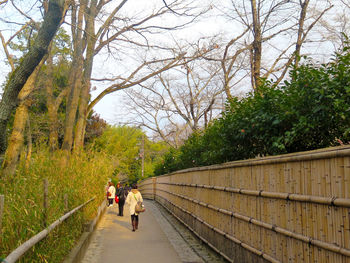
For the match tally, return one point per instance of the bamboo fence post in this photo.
(154, 185)
(2, 198)
(46, 190)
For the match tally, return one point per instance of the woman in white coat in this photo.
(133, 197)
(110, 194)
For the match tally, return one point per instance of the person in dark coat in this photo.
(121, 193)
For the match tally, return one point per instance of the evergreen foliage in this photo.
(309, 111)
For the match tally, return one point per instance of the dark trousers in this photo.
(135, 218)
(134, 222)
(110, 201)
(121, 207)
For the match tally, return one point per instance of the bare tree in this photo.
(269, 39)
(119, 34)
(335, 27)
(177, 102)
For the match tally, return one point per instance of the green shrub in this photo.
(169, 163)
(309, 111)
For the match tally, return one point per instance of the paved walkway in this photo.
(155, 240)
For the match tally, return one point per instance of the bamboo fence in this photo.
(287, 208)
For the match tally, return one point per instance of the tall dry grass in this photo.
(83, 177)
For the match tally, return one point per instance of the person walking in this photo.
(133, 197)
(122, 194)
(116, 192)
(110, 194)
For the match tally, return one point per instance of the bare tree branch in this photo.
(178, 102)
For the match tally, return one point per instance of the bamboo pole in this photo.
(315, 191)
(296, 174)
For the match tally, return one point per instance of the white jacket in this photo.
(111, 190)
(133, 197)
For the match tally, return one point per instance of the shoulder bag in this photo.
(139, 207)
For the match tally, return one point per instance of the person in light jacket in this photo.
(133, 197)
(110, 194)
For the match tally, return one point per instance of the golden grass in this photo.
(84, 177)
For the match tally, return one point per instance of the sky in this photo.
(111, 107)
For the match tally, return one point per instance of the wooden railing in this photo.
(22, 249)
(287, 208)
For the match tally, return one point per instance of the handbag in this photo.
(139, 207)
(116, 199)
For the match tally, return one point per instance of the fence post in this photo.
(2, 198)
(154, 185)
(46, 191)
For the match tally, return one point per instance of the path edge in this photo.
(78, 252)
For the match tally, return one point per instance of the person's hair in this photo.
(134, 186)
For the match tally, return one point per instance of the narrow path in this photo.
(113, 240)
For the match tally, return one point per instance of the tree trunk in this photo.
(53, 103)
(16, 139)
(75, 80)
(85, 92)
(72, 106)
(304, 5)
(82, 115)
(19, 77)
(257, 46)
(17, 136)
